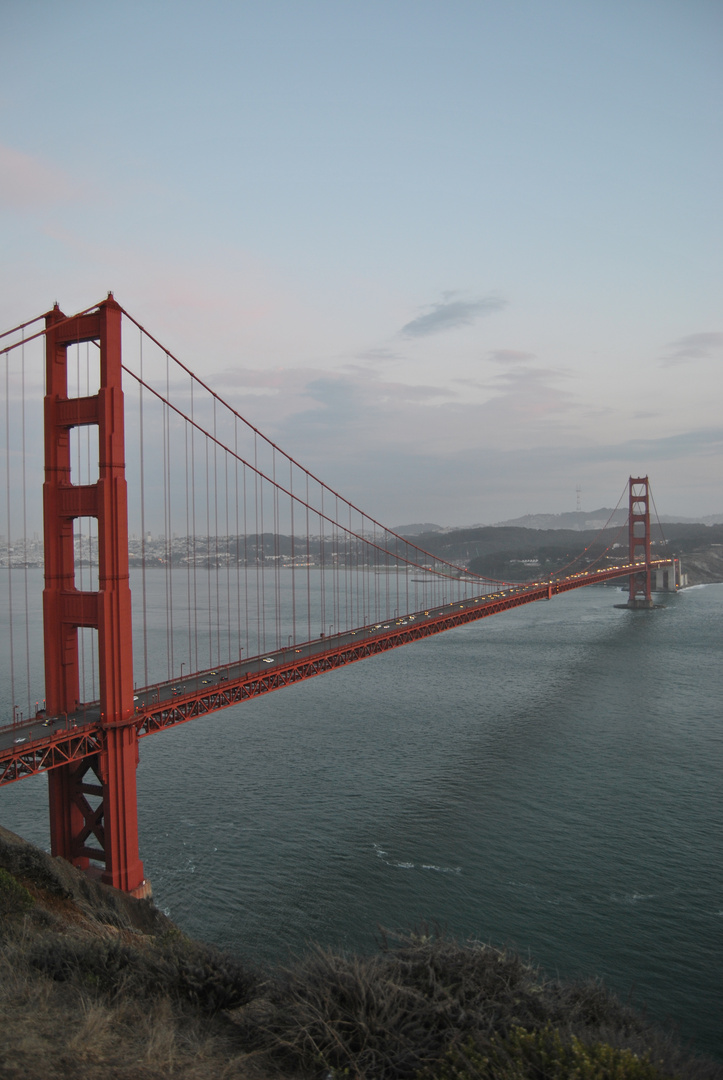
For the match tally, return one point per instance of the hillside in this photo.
(94, 984)
(512, 553)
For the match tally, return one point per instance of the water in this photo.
(548, 778)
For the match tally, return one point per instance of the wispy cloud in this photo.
(378, 354)
(527, 393)
(694, 347)
(450, 314)
(509, 356)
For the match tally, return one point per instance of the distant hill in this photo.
(582, 520)
(573, 521)
(515, 553)
(417, 530)
(576, 520)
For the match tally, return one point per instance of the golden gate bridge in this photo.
(260, 574)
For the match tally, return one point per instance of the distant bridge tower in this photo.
(93, 811)
(640, 595)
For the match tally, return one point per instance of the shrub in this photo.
(430, 1007)
(388, 1015)
(92, 964)
(203, 976)
(214, 981)
(14, 897)
(542, 1055)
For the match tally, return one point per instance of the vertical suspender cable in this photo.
(193, 535)
(348, 578)
(339, 565)
(9, 540)
(257, 549)
(263, 565)
(238, 568)
(81, 546)
(357, 616)
(277, 552)
(94, 692)
(387, 600)
(335, 564)
(228, 563)
(364, 579)
(293, 552)
(322, 561)
(275, 548)
(208, 556)
(143, 524)
(215, 518)
(188, 550)
(246, 565)
(169, 520)
(260, 579)
(25, 526)
(308, 564)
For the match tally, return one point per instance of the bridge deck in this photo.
(47, 742)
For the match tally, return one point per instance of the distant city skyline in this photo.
(459, 260)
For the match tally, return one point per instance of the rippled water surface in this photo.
(548, 778)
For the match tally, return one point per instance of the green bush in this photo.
(214, 981)
(390, 1014)
(90, 964)
(14, 897)
(542, 1055)
(431, 1008)
(206, 978)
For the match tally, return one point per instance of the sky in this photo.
(460, 259)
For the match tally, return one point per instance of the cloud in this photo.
(509, 356)
(456, 487)
(322, 418)
(530, 394)
(378, 354)
(28, 182)
(451, 314)
(694, 347)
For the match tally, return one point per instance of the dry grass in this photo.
(94, 985)
(51, 1030)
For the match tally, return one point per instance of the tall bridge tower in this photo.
(640, 594)
(93, 808)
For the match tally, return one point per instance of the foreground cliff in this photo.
(95, 984)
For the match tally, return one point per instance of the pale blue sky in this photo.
(457, 258)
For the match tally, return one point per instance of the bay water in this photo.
(547, 779)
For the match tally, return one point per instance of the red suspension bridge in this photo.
(249, 573)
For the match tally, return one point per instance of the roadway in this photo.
(43, 742)
(175, 691)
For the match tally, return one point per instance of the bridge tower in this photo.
(640, 595)
(93, 811)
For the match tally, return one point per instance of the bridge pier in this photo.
(93, 812)
(669, 578)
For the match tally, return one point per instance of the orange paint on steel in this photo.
(54, 750)
(640, 594)
(106, 834)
